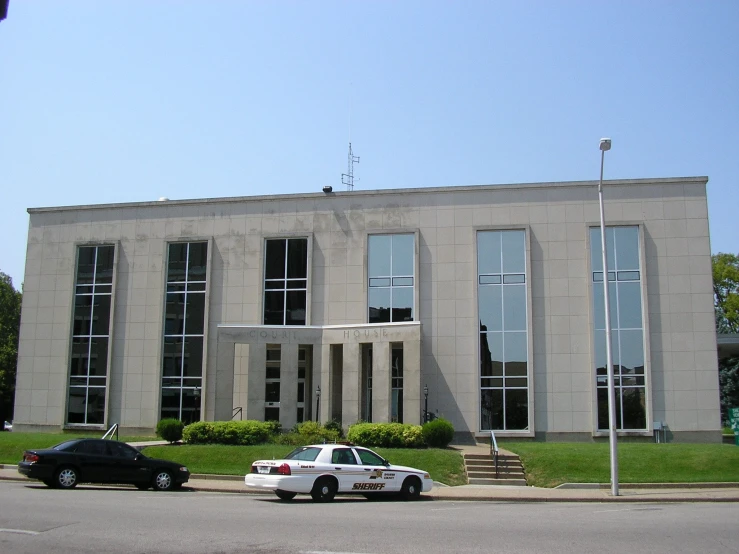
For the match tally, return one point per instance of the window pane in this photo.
(628, 275)
(85, 265)
(402, 304)
(80, 352)
(76, 404)
(380, 282)
(379, 305)
(491, 308)
(95, 406)
(599, 308)
(174, 314)
(603, 408)
(632, 352)
(490, 279)
(491, 354)
(627, 243)
(295, 308)
(514, 252)
(197, 262)
(296, 284)
(488, 252)
(596, 255)
(82, 315)
(176, 261)
(514, 308)
(193, 361)
(274, 308)
(629, 305)
(514, 278)
(190, 406)
(402, 263)
(634, 408)
(272, 391)
(101, 314)
(274, 262)
(172, 363)
(195, 314)
(98, 355)
(104, 268)
(379, 256)
(297, 258)
(402, 281)
(516, 355)
(516, 409)
(491, 409)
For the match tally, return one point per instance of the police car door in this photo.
(346, 469)
(378, 477)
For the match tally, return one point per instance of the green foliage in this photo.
(726, 292)
(308, 432)
(438, 433)
(334, 425)
(389, 435)
(228, 432)
(170, 429)
(728, 379)
(10, 322)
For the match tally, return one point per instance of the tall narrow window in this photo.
(502, 298)
(184, 325)
(396, 356)
(88, 370)
(391, 263)
(627, 327)
(272, 383)
(305, 355)
(285, 281)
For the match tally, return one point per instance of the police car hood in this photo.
(393, 467)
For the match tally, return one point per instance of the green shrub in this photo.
(243, 433)
(388, 435)
(334, 425)
(438, 433)
(170, 429)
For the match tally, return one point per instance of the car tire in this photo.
(324, 489)
(163, 480)
(66, 477)
(285, 495)
(411, 489)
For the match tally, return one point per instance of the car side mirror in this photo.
(387, 463)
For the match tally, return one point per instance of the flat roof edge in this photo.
(403, 191)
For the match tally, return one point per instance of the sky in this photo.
(128, 101)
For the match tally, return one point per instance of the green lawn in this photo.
(548, 464)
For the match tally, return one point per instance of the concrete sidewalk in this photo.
(703, 492)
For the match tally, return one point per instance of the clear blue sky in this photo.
(118, 101)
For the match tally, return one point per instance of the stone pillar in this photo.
(256, 379)
(288, 385)
(351, 397)
(381, 382)
(412, 386)
(224, 381)
(321, 377)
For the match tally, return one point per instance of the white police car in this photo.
(324, 470)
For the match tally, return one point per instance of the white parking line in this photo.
(326, 552)
(19, 531)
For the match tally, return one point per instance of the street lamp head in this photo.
(605, 144)
(318, 391)
(426, 390)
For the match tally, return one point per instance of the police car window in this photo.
(369, 458)
(306, 454)
(343, 456)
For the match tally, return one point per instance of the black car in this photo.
(100, 461)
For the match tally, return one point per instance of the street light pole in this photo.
(605, 145)
(318, 403)
(425, 403)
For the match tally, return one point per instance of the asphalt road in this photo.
(34, 519)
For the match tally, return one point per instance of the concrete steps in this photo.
(480, 469)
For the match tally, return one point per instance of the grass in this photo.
(548, 464)
(445, 466)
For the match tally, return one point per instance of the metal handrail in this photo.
(113, 429)
(494, 451)
(237, 411)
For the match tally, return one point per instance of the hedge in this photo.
(388, 435)
(245, 433)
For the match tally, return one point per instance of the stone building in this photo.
(350, 305)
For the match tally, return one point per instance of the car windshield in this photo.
(305, 453)
(66, 445)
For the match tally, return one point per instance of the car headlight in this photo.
(426, 476)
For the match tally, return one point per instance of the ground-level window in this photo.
(88, 372)
(627, 326)
(502, 313)
(184, 325)
(272, 383)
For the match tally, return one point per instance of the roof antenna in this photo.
(348, 177)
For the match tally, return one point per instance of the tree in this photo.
(10, 322)
(726, 304)
(726, 292)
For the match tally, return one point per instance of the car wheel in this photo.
(285, 495)
(411, 489)
(66, 478)
(163, 481)
(324, 489)
(142, 486)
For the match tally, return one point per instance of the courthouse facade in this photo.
(484, 303)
